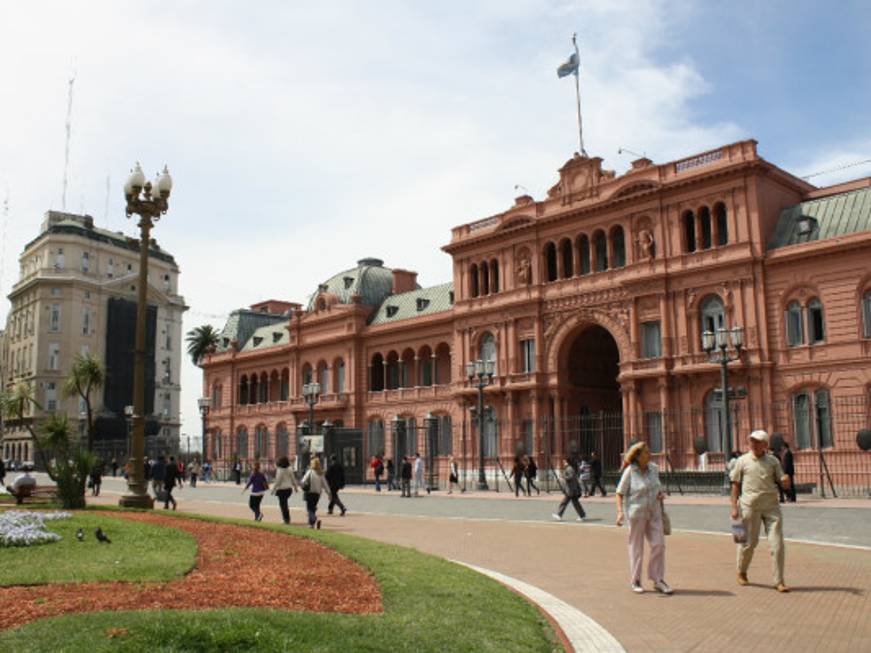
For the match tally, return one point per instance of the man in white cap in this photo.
(755, 477)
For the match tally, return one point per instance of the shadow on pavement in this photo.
(847, 590)
(683, 592)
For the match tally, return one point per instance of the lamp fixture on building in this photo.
(716, 346)
(204, 403)
(480, 375)
(148, 201)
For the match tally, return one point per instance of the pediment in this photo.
(635, 187)
(516, 221)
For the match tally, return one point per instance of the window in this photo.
(812, 417)
(715, 424)
(55, 292)
(86, 321)
(866, 313)
(494, 276)
(376, 437)
(130, 267)
(815, 321)
(54, 318)
(242, 442)
(285, 386)
(491, 433)
(324, 378)
(473, 280)
(823, 420)
(59, 259)
(167, 282)
(566, 252)
(282, 440)
(261, 441)
(618, 242)
(54, 356)
(794, 325)
(487, 349)
(86, 262)
(216, 396)
(263, 391)
(689, 226)
(584, 249)
(445, 441)
(600, 244)
(110, 268)
(713, 314)
(527, 352)
(651, 340)
(51, 396)
(705, 220)
(722, 224)
(550, 260)
(340, 377)
(529, 436)
(653, 422)
(426, 365)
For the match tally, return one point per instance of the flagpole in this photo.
(578, 97)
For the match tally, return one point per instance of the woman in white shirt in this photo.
(639, 497)
(314, 484)
(285, 484)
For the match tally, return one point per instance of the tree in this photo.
(86, 375)
(200, 341)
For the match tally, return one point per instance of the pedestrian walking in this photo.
(571, 492)
(170, 479)
(754, 500)
(237, 471)
(517, 472)
(336, 480)
(788, 464)
(258, 484)
(114, 467)
(418, 474)
(596, 472)
(181, 475)
(391, 475)
(2, 471)
(640, 500)
(285, 484)
(378, 470)
(405, 477)
(96, 478)
(453, 476)
(585, 475)
(158, 474)
(531, 472)
(207, 472)
(313, 485)
(194, 470)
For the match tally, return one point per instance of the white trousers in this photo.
(640, 529)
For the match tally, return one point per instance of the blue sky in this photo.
(302, 138)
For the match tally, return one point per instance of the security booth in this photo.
(347, 445)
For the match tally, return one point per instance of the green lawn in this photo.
(137, 552)
(430, 605)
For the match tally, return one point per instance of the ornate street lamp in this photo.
(204, 403)
(311, 392)
(716, 345)
(483, 371)
(148, 201)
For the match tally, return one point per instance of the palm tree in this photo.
(86, 375)
(200, 340)
(16, 403)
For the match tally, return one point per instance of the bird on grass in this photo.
(101, 536)
(80, 535)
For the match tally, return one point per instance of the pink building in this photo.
(592, 303)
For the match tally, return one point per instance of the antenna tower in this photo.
(63, 197)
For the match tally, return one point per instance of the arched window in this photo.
(445, 440)
(324, 377)
(285, 384)
(442, 370)
(282, 440)
(715, 424)
(584, 253)
(242, 442)
(705, 221)
(216, 395)
(487, 347)
(253, 389)
(812, 418)
(794, 325)
(550, 261)
(375, 439)
(566, 252)
(618, 246)
(426, 363)
(307, 374)
(713, 314)
(722, 224)
(689, 229)
(243, 390)
(406, 369)
(261, 441)
(494, 276)
(263, 389)
(376, 372)
(816, 324)
(392, 370)
(485, 278)
(866, 313)
(339, 369)
(473, 280)
(600, 244)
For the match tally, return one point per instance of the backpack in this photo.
(379, 468)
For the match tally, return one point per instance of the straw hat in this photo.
(633, 452)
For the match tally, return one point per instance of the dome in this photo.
(370, 280)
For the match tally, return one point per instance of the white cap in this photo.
(760, 435)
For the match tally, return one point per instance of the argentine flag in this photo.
(570, 67)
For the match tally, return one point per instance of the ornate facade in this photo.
(592, 303)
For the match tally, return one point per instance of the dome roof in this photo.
(370, 280)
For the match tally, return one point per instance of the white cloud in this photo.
(302, 139)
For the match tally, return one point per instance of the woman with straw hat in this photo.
(639, 497)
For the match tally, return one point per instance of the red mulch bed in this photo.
(236, 567)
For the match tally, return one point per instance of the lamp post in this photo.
(311, 392)
(483, 371)
(148, 201)
(204, 403)
(716, 345)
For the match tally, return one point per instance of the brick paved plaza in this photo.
(585, 564)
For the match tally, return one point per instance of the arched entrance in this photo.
(591, 404)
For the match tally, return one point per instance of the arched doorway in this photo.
(591, 407)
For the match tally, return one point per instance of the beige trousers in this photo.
(773, 521)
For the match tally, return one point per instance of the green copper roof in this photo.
(273, 335)
(243, 323)
(830, 217)
(415, 303)
(370, 280)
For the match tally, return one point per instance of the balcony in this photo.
(418, 393)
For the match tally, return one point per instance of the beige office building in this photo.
(76, 294)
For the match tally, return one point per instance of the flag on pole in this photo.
(569, 67)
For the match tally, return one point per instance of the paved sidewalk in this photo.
(586, 566)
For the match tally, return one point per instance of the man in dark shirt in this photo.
(405, 477)
(169, 480)
(596, 469)
(336, 480)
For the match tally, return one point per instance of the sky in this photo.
(304, 136)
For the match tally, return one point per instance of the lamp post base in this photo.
(136, 501)
(482, 485)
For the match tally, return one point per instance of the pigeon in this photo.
(101, 536)
(80, 535)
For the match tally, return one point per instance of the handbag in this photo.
(307, 483)
(666, 520)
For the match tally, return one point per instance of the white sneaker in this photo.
(662, 586)
(557, 517)
(636, 587)
(581, 519)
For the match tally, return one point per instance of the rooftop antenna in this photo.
(63, 197)
(621, 150)
(837, 168)
(521, 187)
